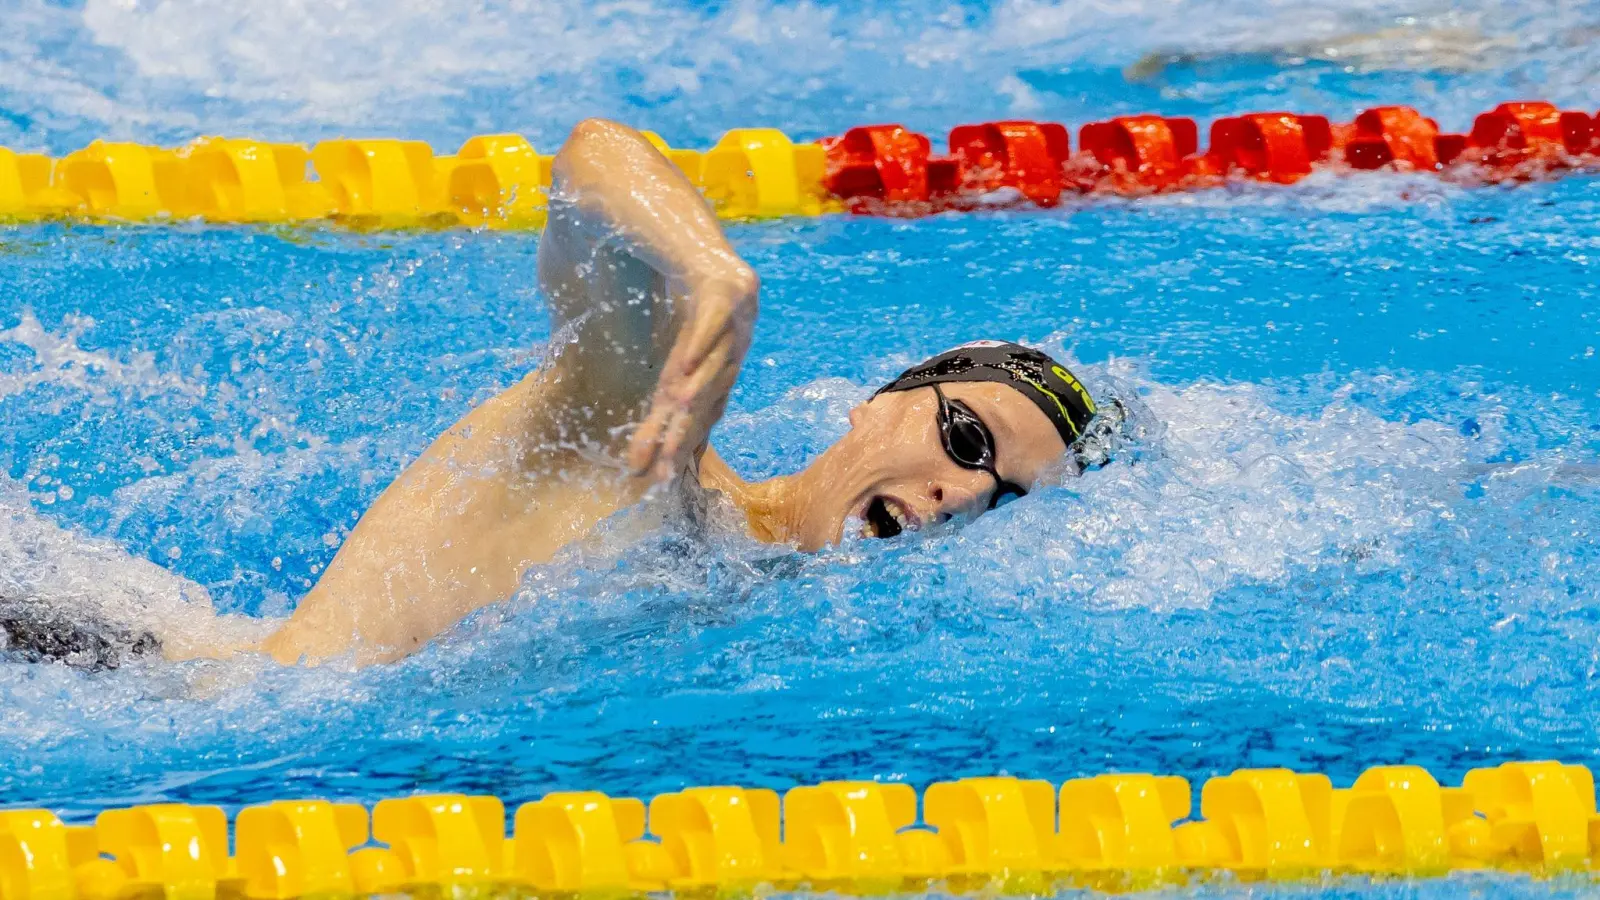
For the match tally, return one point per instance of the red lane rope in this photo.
(887, 169)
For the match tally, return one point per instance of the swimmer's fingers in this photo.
(668, 462)
(701, 399)
(672, 402)
(645, 445)
(722, 306)
(696, 377)
(654, 449)
(699, 338)
(684, 409)
(669, 402)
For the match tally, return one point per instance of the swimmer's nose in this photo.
(961, 496)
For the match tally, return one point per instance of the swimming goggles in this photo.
(970, 444)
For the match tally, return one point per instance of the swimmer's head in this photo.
(949, 438)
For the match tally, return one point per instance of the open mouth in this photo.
(886, 517)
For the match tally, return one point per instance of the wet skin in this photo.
(652, 313)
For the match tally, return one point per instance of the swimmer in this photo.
(652, 312)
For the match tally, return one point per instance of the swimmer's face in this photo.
(892, 473)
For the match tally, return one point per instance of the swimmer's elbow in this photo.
(595, 129)
(743, 289)
(743, 281)
(589, 146)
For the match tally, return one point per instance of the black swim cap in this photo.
(1056, 391)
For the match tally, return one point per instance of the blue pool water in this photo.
(1357, 526)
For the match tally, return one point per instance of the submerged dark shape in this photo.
(36, 632)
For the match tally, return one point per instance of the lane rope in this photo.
(499, 180)
(1112, 832)
(1107, 831)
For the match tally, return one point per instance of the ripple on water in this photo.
(1354, 523)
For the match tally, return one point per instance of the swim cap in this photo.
(1057, 392)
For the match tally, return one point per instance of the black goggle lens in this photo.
(970, 445)
(967, 439)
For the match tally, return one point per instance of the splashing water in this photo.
(1353, 523)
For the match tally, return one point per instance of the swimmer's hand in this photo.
(627, 226)
(699, 372)
(651, 312)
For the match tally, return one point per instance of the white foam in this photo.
(59, 360)
(1324, 191)
(1220, 489)
(1239, 492)
(96, 581)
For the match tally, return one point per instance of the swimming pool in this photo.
(1357, 527)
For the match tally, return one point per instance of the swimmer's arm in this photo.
(649, 302)
(652, 310)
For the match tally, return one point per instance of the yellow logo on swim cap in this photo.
(1066, 376)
